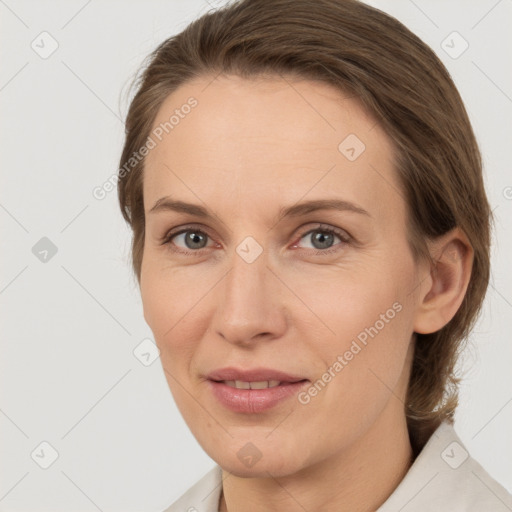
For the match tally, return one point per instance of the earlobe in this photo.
(452, 255)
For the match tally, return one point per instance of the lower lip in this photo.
(254, 400)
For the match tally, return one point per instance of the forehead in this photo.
(267, 140)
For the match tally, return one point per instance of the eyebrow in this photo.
(296, 210)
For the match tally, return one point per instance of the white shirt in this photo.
(443, 477)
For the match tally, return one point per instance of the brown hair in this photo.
(399, 79)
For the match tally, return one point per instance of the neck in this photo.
(359, 479)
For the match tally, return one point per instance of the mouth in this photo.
(256, 376)
(250, 397)
(262, 384)
(254, 390)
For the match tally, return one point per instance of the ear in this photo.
(442, 293)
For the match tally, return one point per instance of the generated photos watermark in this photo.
(156, 136)
(357, 345)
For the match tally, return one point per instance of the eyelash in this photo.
(342, 235)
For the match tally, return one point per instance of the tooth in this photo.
(265, 384)
(240, 384)
(259, 385)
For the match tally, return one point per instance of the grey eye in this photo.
(321, 238)
(193, 239)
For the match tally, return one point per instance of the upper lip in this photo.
(253, 375)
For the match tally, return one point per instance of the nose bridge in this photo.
(247, 282)
(248, 263)
(246, 302)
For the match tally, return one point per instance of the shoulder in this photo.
(444, 476)
(203, 496)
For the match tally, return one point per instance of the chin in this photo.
(248, 461)
(261, 469)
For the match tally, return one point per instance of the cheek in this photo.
(366, 326)
(164, 311)
(159, 305)
(346, 302)
(172, 309)
(163, 294)
(370, 342)
(155, 303)
(360, 371)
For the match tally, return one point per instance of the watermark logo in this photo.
(146, 352)
(454, 45)
(249, 455)
(44, 45)
(454, 455)
(44, 455)
(351, 147)
(44, 250)
(249, 249)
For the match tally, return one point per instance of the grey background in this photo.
(72, 320)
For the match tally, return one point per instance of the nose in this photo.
(249, 303)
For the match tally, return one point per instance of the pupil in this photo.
(320, 237)
(194, 238)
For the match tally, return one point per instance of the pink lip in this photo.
(253, 400)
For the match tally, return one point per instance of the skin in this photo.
(247, 149)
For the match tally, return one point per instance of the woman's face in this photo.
(326, 295)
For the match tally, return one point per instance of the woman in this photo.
(311, 239)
